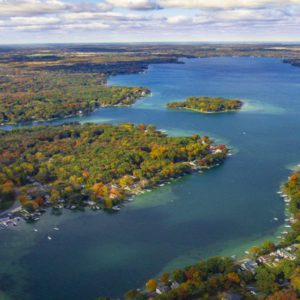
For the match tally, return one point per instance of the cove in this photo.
(222, 211)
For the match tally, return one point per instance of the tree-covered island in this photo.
(97, 165)
(208, 104)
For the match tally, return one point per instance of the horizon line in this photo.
(294, 42)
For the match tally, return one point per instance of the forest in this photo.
(53, 82)
(42, 96)
(207, 104)
(103, 164)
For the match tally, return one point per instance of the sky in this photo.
(107, 21)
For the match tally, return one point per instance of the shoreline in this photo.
(205, 112)
(19, 212)
(178, 61)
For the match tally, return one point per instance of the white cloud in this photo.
(224, 4)
(135, 4)
(31, 7)
(142, 17)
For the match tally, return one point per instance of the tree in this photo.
(151, 285)
(283, 295)
(126, 181)
(268, 246)
(233, 277)
(265, 279)
(133, 295)
(164, 279)
(54, 195)
(179, 276)
(30, 206)
(295, 279)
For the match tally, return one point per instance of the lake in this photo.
(220, 212)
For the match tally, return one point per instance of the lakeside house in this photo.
(161, 289)
(284, 253)
(249, 265)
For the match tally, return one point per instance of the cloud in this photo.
(224, 4)
(143, 18)
(135, 4)
(31, 7)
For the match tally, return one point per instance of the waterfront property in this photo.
(193, 217)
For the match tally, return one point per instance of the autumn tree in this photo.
(151, 285)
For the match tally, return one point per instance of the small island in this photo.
(99, 166)
(208, 104)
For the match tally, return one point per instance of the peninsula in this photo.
(95, 165)
(208, 104)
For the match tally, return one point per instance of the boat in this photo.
(116, 208)
(35, 230)
(162, 184)
(56, 228)
(49, 238)
(287, 226)
(275, 219)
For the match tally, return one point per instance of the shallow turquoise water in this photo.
(222, 211)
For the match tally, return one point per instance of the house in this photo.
(266, 259)
(161, 289)
(249, 265)
(174, 285)
(231, 296)
(285, 254)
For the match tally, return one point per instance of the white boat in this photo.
(275, 219)
(49, 238)
(116, 208)
(56, 228)
(35, 230)
(162, 184)
(287, 226)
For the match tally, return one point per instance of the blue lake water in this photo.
(222, 211)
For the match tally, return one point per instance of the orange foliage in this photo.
(151, 285)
